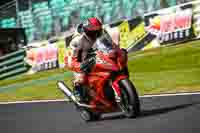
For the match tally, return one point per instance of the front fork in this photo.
(117, 91)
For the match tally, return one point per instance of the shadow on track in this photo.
(153, 112)
(146, 113)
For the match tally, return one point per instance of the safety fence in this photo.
(13, 64)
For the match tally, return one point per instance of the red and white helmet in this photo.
(93, 27)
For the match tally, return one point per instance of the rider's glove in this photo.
(88, 65)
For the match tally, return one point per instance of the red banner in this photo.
(42, 58)
(171, 24)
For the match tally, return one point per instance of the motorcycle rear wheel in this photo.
(88, 116)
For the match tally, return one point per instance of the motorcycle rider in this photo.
(82, 45)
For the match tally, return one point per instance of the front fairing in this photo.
(105, 54)
(104, 43)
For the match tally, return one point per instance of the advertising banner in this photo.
(170, 24)
(196, 19)
(131, 32)
(61, 52)
(134, 37)
(42, 58)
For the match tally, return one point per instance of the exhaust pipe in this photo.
(66, 90)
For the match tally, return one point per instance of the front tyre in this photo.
(130, 101)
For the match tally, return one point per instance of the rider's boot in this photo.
(80, 93)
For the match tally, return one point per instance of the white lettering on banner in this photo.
(187, 33)
(175, 35)
(174, 22)
(43, 58)
(171, 24)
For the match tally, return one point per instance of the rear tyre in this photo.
(96, 116)
(88, 116)
(85, 115)
(130, 100)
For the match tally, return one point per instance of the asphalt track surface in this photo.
(168, 114)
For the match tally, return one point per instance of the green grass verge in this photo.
(169, 69)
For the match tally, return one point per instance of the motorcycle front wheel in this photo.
(130, 103)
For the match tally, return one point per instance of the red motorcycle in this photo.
(108, 88)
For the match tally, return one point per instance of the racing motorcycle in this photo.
(108, 88)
